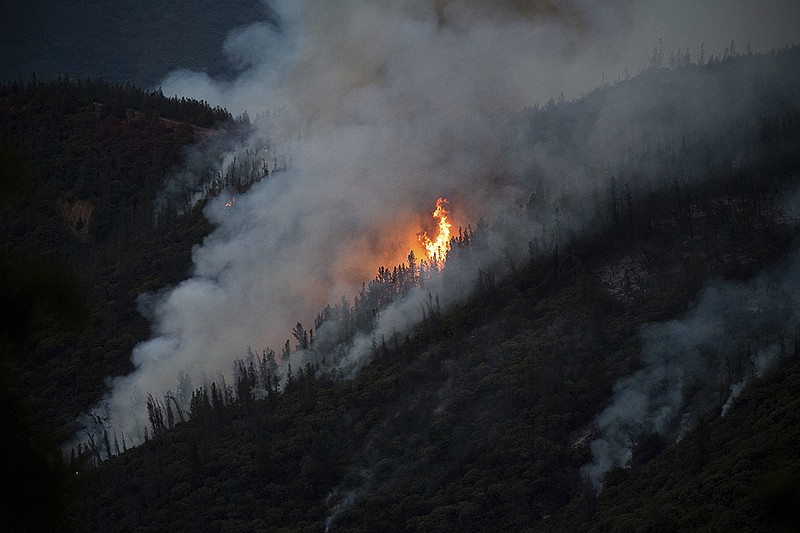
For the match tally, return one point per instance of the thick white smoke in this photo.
(379, 109)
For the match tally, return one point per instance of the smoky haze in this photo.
(379, 108)
(733, 332)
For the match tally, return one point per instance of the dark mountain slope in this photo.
(481, 418)
(82, 163)
(734, 473)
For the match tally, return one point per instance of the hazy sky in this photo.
(767, 24)
(636, 28)
(585, 43)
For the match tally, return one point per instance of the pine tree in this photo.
(289, 378)
(301, 336)
(106, 443)
(287, 351)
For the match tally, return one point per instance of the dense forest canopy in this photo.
(82, 164)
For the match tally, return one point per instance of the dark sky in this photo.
(121, 40)
(767, 24)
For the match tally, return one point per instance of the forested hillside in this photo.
(479, 418)
(82, 163)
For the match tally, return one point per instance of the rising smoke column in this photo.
(379, 108)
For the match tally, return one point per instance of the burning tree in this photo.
(437, 248)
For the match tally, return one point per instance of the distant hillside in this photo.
(82, 163)
(135, 42)
(483, 416)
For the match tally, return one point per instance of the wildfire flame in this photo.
(437, 248)
(230, 202)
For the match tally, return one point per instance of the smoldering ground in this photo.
(734, 331)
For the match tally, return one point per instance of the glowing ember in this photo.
(436, 249)
(230, 202)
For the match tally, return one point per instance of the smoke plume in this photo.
(733, 332)
(378, 109)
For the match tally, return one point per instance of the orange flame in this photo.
(436, 249)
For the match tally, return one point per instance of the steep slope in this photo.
(737, 472)
(482, 416)
(480, 421)
(82, 163)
